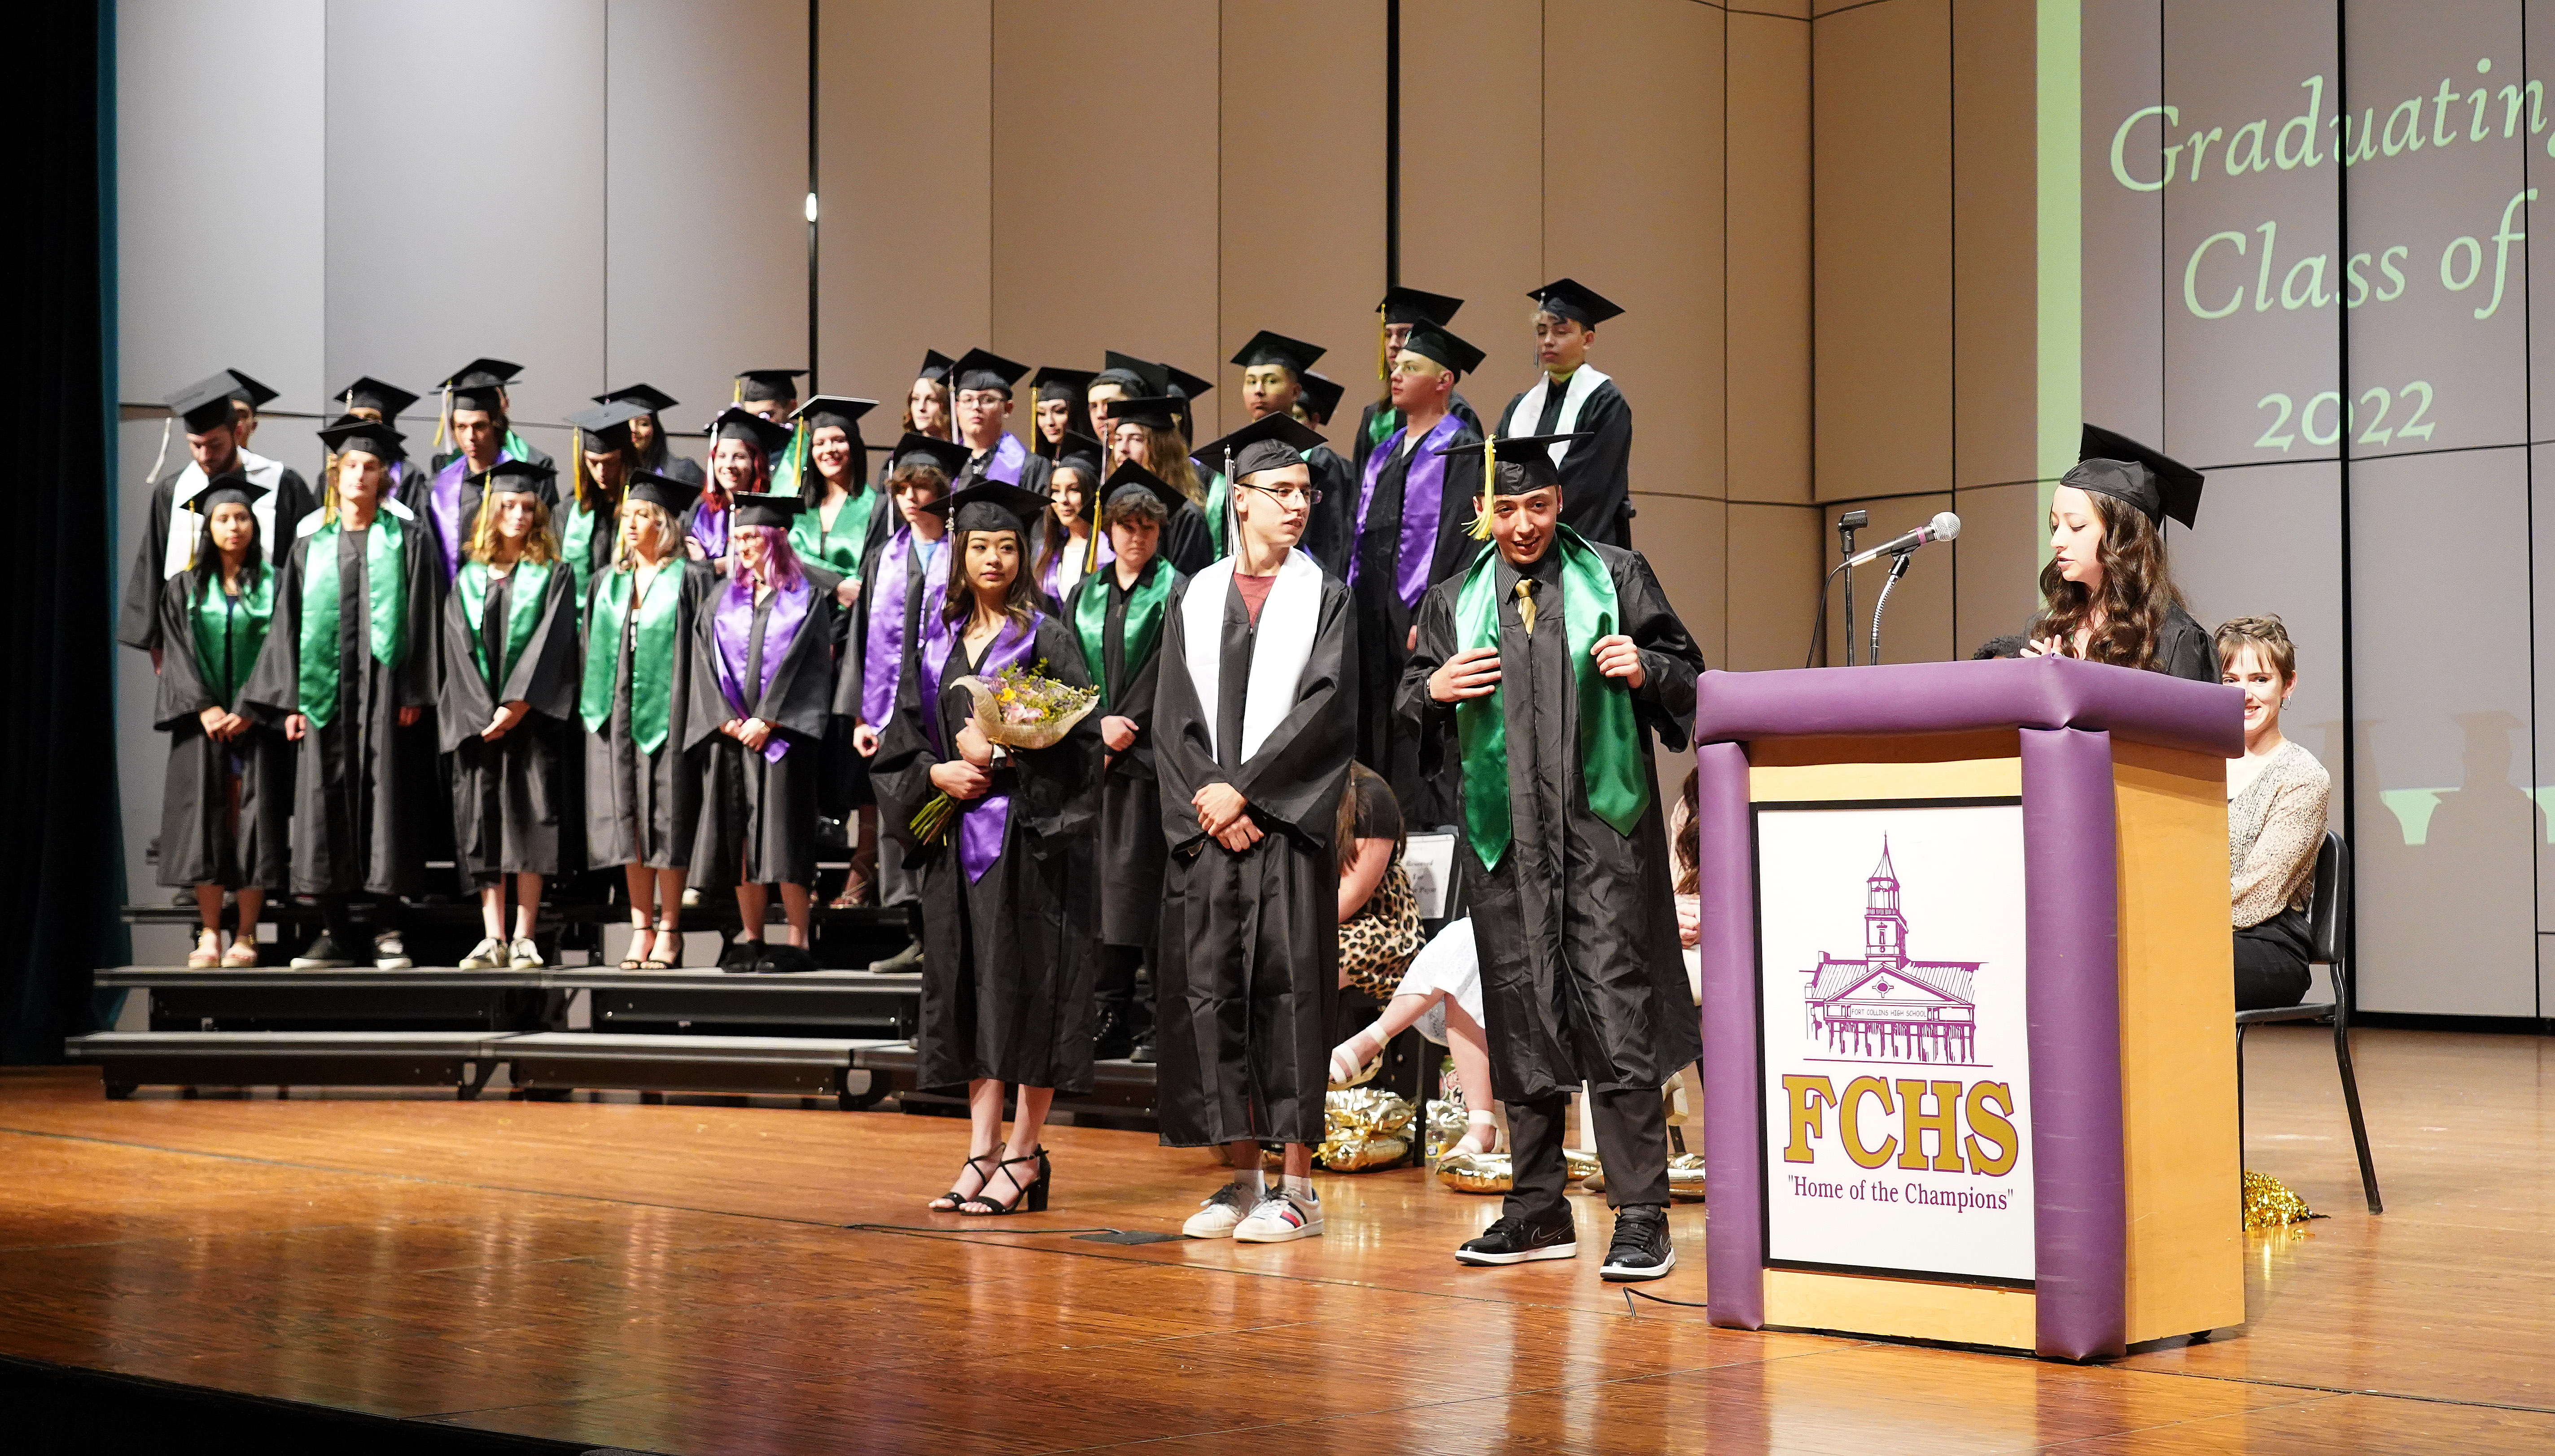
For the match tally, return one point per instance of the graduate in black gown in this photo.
(217, 415)
(902, 578)
(2109, 593)
(1413, 502)
(762, 675)
(1069, 538)
(1007, 903)
(1252, 742)
(981, 385)
(1117, 615)
(845, 518)
(643, 792)
(1146, 430)
(1059, 406)
(1402, 310)
(442, 497)
(1319, 400)
(1573, 399)
(507, 683)
(743, 446)
(367, 399)
(1274, 374)
(226, 805)
(604, 456)
(348, 672)
(1542, 672)
(927, 405)
(649, 450)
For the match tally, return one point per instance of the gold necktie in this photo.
(1525, 605)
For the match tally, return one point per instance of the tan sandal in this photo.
(207, 953)
(242, 954)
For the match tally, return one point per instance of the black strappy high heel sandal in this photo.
(1031, 1196)
(955, 1202)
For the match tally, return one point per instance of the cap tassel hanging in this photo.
(443, 417)
(577, 464)
(1232, 506)
(1384, 351)
(1480, 529)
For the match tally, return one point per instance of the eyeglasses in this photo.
(1287, 495)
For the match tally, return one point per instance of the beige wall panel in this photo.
(2000, 549)
(1918, 628)
(1993, 316)
(1785, 9)
(1774, 562)
(1633, 208)
(1105, 185)
(1303, 189)
(1685, 540)
(1473, 175)
(905, 140)
(1880, 105)
(1767, 276)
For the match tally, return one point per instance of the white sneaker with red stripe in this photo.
(1280, 1216)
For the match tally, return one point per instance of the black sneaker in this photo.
(1518, 1241)
(743, 957)
(1111, 1038)
(1640, 1249)
(1142, 1053)
(323, 955)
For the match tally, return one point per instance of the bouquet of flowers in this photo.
(1017, 707)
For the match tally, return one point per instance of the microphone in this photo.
(1943, 526)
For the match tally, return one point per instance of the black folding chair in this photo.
(2329, 931)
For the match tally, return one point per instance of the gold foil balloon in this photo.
(1364, 1128)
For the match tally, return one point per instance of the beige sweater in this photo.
(2273, 829)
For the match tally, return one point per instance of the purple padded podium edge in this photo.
(2071, 998)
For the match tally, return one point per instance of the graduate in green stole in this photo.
(1544, 670)
(226, 807)
(603, 456)
(347, 672)
(509, 680)
(845, 518)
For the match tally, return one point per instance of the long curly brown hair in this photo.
(2137, 591)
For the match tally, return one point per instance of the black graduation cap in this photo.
(607, 425)
(1276, 349)
(948, 454)
(1185, 385)
(369, 392)
(1052, 383)
(985, 369)
(374, 438)
(475, 385)
(1157, 411)
(1080, 452)
(249, 392)
(1270, 443)
(990, 505)
(2116, 465)
(205, 404)
(840, 411)
(1131, 476)
(738, 423)
(1410, 305)
(1141, 377)
(1431, 341)
(665, 492)
(768, 384)
(648, 396)
(935, 366)
(1570, 299)
(513, 477)
(231, 487)
(1322, 394)
(1525, 460)
(778, 512)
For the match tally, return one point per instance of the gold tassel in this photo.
(577, 464)
(1480, 529)
(1384, 350)
(1091, 547)
(442, 420)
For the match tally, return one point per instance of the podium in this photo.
(1969, 1004)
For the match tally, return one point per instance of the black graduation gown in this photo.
(1007, 959)
(856, 636)
(2184, 649)
(641, 808)
(417, 492)
(199, 842)
(1247, 966)
(1330, 523)
(1185, 543)
(1130, 843)
(510, 797)
(1596, 474)
(1582, 979)
(846, 784)
(356, 819)
(1456, 405)
(758, 816)
(138, 624)
(1425, 798)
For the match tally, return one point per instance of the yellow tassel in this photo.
(1480, 529)
(1384, 351)
(1091, 547)
(443, 418)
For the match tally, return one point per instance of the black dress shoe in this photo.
(786, 960)
(1111, 1038)
(1640, 1249)
(1142, 1053)
(743, 957)
(1520, 1241)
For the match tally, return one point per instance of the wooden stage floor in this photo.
(676, 1279)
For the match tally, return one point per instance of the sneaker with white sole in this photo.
(487, 955)
(1217, 1216)
(526, 956)
(390, 953)
(322, 955)
(1279, 1217)
(1640, 1248)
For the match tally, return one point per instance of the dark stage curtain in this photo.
(59, 837)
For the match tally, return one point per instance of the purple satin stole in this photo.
(883, 646)
(982, 822)
(709, 528)
(732, 627)
(1424, 493)
(1055, 571)
(443, 503)
(1008, 457)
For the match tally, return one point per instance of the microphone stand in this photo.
(1897, 568)
(1847, 524)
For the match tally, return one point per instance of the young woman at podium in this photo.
(2110, 597)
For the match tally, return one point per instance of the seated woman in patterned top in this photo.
(2275, 807)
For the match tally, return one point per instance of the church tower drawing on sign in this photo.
(1888, 1006)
